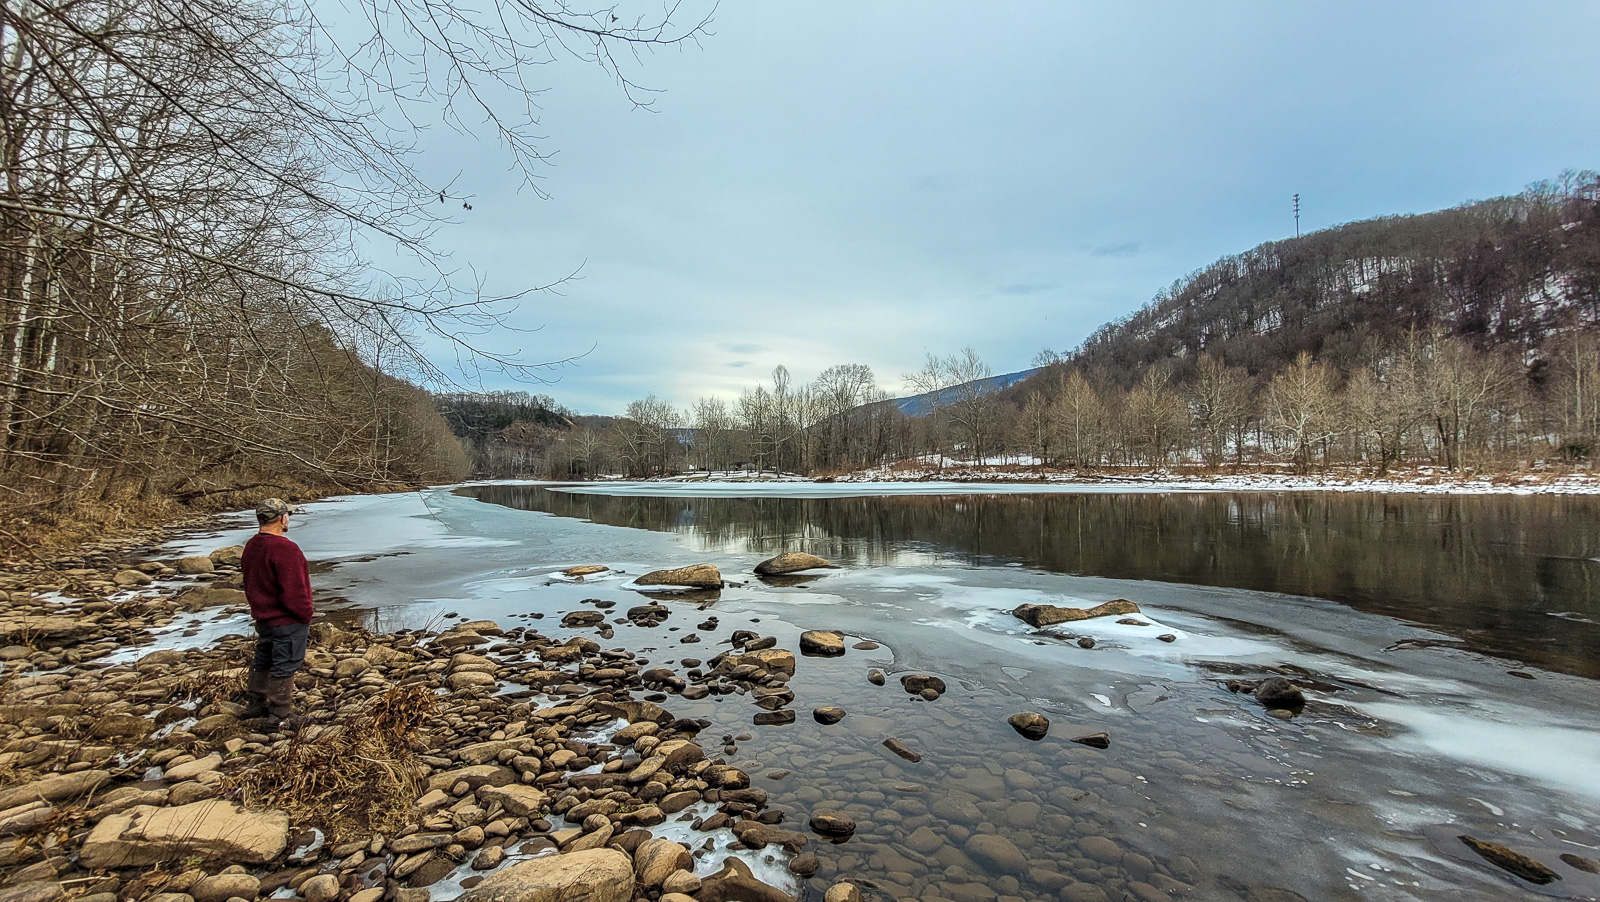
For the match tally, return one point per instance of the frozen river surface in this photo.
(1448, 647)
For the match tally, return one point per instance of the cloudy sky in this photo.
(867, 182)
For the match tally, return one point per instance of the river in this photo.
(1449, 646)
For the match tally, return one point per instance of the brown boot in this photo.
(280, 698)
(255, 693)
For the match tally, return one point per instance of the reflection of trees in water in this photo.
(1488, 568)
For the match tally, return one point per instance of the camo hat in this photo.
(273, 508)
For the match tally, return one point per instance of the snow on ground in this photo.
(880, 482)
(1423, 481)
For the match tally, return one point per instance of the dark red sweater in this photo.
(277, 581)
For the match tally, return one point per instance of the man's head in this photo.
(274, 512)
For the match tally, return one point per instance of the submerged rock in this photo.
(1581, 863)
(1049, 614)
(793, 562)
(833, 824)
(695, 576)
(899, 748)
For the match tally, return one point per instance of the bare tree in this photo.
(1303, 406)
(1157, 415)
(962, 393)
(1219, 398)
(184, 188)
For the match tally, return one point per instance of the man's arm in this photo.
(294, 578)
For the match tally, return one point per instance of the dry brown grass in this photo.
(349, 779)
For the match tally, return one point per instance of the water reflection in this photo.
(1513, 576)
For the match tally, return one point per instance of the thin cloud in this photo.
(1026, 287)
(1126, 249)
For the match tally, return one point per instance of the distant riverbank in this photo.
(1420, 480)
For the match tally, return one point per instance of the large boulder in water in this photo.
(1049, 614)
(1278, 692)
(697, 576)
(793, 562)
(821, 643)
(1030, 724)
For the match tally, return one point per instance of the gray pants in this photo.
(280, 650)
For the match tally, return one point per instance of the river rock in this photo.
(828, 715)
(196, 564)
(775, 659)
(1278, 692)
(575, 619)
(923, 841)
(657, 859)
(681, 882)
(842, 892)
(33, 891)
(55, 788)
(180, 772)
(1030, 724)
(793, 562)
(756, 835)
(875, 677)
(25, 629)
(127, 579)
(917, 683)
(1588, 865)
(144, 835)
(697, 576)
(224, 886)
(228, 556)
(774, 718)
(521, 801)
(823, 643)
(321, 888)
(735, 883)
(899, 748)
(585, 570)
(595, 875)
(1049, 614)
(1511, 860)
(832, 824)
(1094, 740)
(469, 679)
(997, 852)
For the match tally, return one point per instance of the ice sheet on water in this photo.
(208, 627)
(769, 865)
(1498, 737)
(364, 525)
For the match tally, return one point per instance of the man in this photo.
(277, 583)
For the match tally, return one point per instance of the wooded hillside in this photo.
(1508, 274)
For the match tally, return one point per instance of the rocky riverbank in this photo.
(487, 763)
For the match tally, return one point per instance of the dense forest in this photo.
(1460, 339)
